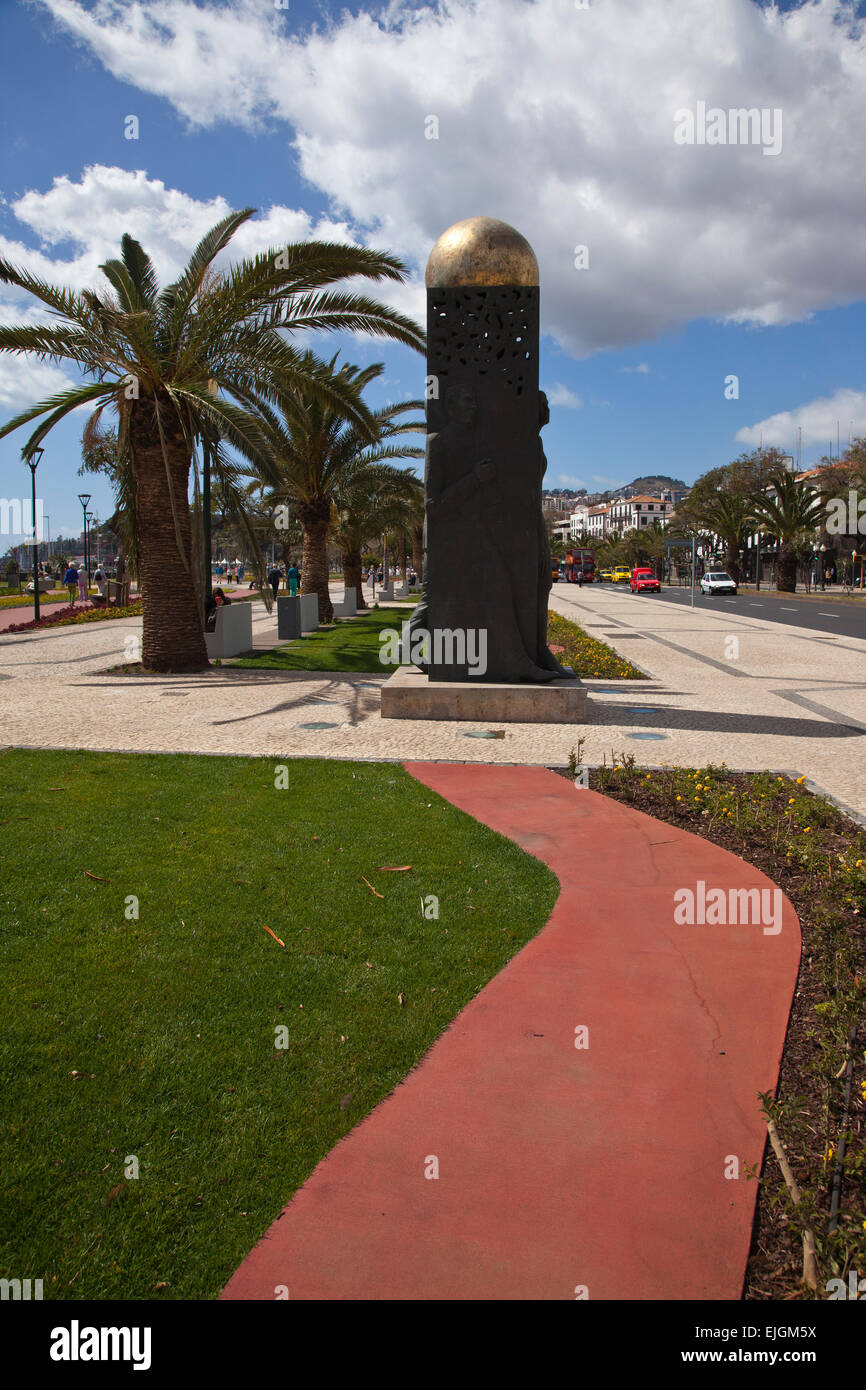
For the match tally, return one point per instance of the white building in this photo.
(596, 521)
(634, 513)
(577, 521)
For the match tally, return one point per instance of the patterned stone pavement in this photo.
(722, 687)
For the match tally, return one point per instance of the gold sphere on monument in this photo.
(481, 251)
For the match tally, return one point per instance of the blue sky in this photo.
(703, 261)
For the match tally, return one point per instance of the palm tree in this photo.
(174, 363)
(731, 517)
(313, 450)
(376, 499)
(793, 516)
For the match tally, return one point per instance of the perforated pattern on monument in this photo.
(485, 332)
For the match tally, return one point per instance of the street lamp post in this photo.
(88, 521)
(32, 460)
(84, 498)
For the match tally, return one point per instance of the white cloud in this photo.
(818, 420)
(25, 379)
(557, 119)
(566, 480)
(560, 395)
(94, 213)
(608, 482)
(642, 369)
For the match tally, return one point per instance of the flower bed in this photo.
(25, 600)
(68, 616)
(586, 656)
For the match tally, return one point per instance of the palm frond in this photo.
(59, 405)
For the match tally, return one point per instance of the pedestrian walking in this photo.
(82, 585)
(293, 576)
(274, 577)
(70, 579)
(99, 580)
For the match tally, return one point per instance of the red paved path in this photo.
(561, 1167)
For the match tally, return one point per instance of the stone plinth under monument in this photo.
(409, 694)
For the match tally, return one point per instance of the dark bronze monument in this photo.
(487, 561)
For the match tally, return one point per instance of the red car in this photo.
(643, 581)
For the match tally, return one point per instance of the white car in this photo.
(718, 582)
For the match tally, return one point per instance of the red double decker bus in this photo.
(579, 562)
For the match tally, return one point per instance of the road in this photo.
(847, 617)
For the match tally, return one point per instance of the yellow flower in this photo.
(697, 798)
(806, 829)
(800, 781)
(679, 798)
(830, 1152)
(859, 863)
(790, 800)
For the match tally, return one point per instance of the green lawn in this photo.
(169, 1020)
(353, 645)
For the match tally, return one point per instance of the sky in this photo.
(702, 283)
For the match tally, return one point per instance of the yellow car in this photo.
(621, 575)
(605, 576)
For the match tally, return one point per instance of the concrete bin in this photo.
(234, 631)
(309, 612)
(349, 607)
(288, 618)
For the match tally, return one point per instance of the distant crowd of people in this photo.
(75, 580)
(292, 575)
(231, 573)
(375, 575)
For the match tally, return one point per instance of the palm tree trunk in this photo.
(732, 562)
(173, 633)
(315, 517)
(352, 569)
(786, 571)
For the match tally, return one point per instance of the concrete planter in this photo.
(309, 612)
(288, 618)
(349, 607)
(234, 631)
